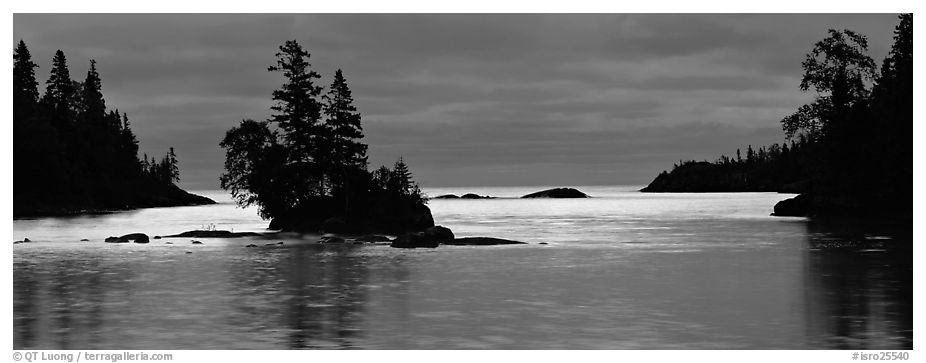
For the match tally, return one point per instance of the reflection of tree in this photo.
(318, 290)
(25, 305)
(58, 305)
(859, 285)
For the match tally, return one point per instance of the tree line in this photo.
(71, 152)
(851, 148)
(307, 162)
(777, 167)
(860, 123)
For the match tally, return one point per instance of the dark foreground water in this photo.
(623, 270)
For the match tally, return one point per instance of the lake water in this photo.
(622, 270)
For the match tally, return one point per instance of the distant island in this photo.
(557, 193)
(851, 150)
(72, 155)
(464, 196)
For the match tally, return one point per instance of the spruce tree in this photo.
(343, 124)
(25, 87)
(94, 106)
(401, 178)
(298, 114)
(174, 169)
(59, 88)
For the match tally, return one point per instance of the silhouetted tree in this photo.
(254, 163)
(93, 105)
(71, 153)
(401, 178)
(298, 114)
(343, 123)
(307, 169)
(59, 88)
(837, 69)
(25, 87)
(174, 168)
(346, 154)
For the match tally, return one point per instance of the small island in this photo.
(557, 193)
(305, 167)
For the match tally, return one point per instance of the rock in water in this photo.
(481, 241)
(429, 238)
(215, 234)
(798, 206)
(197, 242)
(131, 237)
(136, 237)
(557, 193)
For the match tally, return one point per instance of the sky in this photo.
(465, 99)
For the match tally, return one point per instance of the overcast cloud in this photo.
(467, 99)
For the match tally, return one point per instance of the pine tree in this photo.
(174, 170)
(401, 178)
(59, 88)
(94, 106)
(343, 124)
(298, 113)
(25, 87)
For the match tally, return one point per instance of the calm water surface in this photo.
(622, 270)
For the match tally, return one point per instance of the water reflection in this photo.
(702, 284)
(859, 284)
(59, 304)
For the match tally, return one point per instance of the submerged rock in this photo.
(216, 234)
(84, 240)
(251, 245)
(481, 241)
(557, 193)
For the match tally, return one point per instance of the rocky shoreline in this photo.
(429, 238)
(176, 197)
